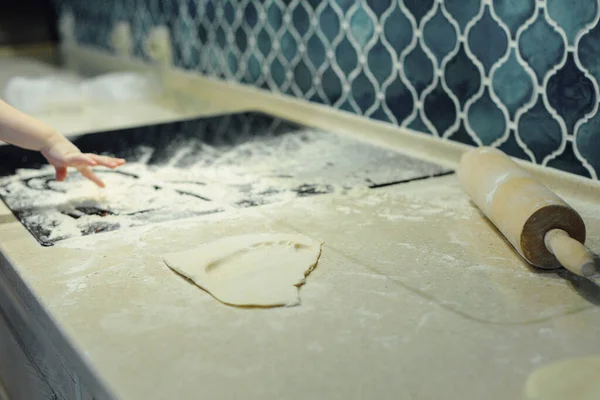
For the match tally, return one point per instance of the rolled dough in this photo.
(260, 270)
(575, 378)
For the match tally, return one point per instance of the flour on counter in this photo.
(197, 179)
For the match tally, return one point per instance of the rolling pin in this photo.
(541, 226)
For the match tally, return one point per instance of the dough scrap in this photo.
(575, 378)
(254, 270)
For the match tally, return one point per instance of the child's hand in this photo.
(63, 154)
(21, 130)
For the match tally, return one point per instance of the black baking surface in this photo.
(309, 162)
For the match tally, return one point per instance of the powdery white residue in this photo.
(315, 347)
(481, 267)
(457, 239)
(76, 284)
(396, 217)
(366, 275)
(79, 268)
(136, 237)
(348, 210)
(132, 237)
(419, 206)
(499, 181)
(128, 201)
(387, 342)
(262, 170)
(546, 331)
(363, 312)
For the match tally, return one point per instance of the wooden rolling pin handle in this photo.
(541, 226)
(572, 254)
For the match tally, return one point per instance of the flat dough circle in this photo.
(261, 270)
(575, 379)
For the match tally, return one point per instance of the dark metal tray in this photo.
(271, 159)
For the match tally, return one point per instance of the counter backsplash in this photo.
(521, 75)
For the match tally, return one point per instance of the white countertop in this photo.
(415, 296)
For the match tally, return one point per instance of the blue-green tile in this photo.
(278, 73)
(380, 115)
(514, 13)
(289, 46)
(332, 85)
(303, 77)
(233, 63)
(214, 63)
(440, 109)
(380, 62)
(363, 92)
(512, 84)
(462, 76)
(379, 7)
(229, 12)
(264, 42)
(361, 27)
(398, 30)
(241, 41)
(316, 98)
(312, 4)
(347, 106)
(588, 142)
(399, 100)
(571, 93)
(329, 23)
(512, 148)
(589, 51)
(463, 11)
(253, 69)
(419, 8)
(300, 19)
(440, 36)
(251, 15)
(192, 9)
(541, 47)
(201, 34)
(461, 135)
(486, 119)
(418, 69)
(209, 11)
(221, 37)
(344, 4)
(568, 162)
(346, 57)
(539, 131)
(316, 51)
(274, 16)
(418, 125)
(382, 31)
(572, 16)
(487, 31)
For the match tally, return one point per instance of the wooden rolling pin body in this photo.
(525, 211)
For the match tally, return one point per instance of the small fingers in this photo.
(89, 174)
(83, 162)
(92, 160)
(61, 173)
(80, 160)
(106, 161)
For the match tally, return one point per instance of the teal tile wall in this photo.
(521, 75)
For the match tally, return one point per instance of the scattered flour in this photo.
(198, 180)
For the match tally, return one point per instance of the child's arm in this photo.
(19, 129)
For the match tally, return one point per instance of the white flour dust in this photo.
(198, 179)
